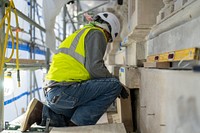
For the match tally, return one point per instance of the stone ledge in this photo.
(177, 18)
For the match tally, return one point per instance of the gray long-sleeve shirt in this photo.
(95, 47)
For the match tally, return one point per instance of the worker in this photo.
(80, 88)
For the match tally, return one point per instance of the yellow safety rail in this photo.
(7, 17)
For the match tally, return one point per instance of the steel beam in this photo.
(64, 22)
(20, 14)
(78, 10)
(70, 18)
(31, 48)
(92, 9)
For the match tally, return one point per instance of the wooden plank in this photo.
(101, 128)
(27, 61)
(124, 109)
(157, 64)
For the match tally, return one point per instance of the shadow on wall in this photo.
(188, 116)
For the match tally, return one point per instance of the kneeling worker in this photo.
(80, 88)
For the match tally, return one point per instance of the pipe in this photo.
(20, 14)
(64, 21)
(91, 9)
(70, 18)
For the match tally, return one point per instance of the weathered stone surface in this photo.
(181, 37)
(170, 101)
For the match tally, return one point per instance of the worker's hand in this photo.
(88, 17)
(124, 93)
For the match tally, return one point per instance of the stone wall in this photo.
(137, 17)
(177, 27)
(169, 101)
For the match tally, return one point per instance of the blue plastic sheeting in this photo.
(20, 96)
(26, 47)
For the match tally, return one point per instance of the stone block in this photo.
(120, 57)
(145, 13)
(135, 54)
(170, 101)
(130, 77)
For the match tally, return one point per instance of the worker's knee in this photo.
(115, 85)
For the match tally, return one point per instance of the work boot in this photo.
(33, 114)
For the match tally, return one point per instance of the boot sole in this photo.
(30, 108)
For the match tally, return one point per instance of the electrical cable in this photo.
(12, 52)
(7, 17)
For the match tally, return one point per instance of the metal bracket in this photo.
(6, 125)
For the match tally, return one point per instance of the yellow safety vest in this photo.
(68, 64)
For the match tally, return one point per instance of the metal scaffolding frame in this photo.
(33, 25)
(92, 9)
(2, 36)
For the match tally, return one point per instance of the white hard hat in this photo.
(113, 26)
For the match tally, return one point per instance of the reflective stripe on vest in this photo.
(71, 50)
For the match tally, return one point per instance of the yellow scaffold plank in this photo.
(28, 61)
